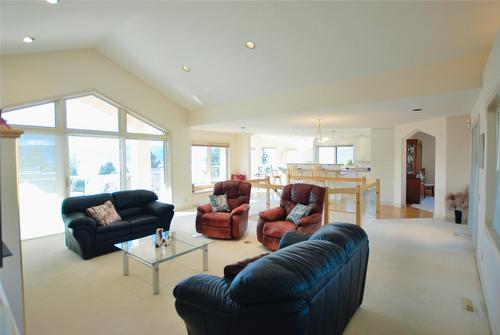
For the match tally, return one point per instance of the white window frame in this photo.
(62, 133)
(209, 186)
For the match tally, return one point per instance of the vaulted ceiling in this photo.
(354, 64)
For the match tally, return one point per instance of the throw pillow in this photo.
(219, 203)
(232, 270)
(297, 213)
(104, 214)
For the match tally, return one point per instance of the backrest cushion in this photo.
(128, 212)
(291, 273)
(133, 198)
(345, 235)
(305, 194)
(238, 192)
(81, 203)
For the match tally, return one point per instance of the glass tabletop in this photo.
(144, 248)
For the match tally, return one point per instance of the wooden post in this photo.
(268, 193)
(326, 207)
(358, 205)
(377, 199)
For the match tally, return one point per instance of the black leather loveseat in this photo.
(312, 285)
(141, 215)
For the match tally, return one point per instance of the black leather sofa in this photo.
(312, 285)
(141, 215)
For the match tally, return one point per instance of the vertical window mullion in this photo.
(123, 163)
(63, 148)
(122, 135)
(209, 164)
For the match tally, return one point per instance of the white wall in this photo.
(488, 241)
(458, 152)
(304, 146)
(428, 155)
(382, 161)
(38, 76)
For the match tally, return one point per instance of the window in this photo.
(38, 185)
(208, 164)
(336, 155)
(345, 155)
(92, 152)
(38, 116)
(271, 156)
(145, 165)
(94, 165)
(92, 113)
(134, 125)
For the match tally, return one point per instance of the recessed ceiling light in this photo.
(28, 39)
(416, 110)
(186, 68)
(52, 2)
(250, 45)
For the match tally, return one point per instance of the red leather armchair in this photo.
(226, 225)
(272, 223)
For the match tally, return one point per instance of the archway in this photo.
(436, 128)
(420, 183)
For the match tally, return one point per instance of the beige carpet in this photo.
(419, 273)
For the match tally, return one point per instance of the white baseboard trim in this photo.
(440, 217)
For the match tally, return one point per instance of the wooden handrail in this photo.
(333, 179)
(357, 191)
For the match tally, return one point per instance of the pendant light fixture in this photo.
(319, 137)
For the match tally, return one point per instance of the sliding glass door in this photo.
(145, 164)
(40, 189)
(94, 165)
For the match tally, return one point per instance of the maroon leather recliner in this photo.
(272, 223)
(226, 225)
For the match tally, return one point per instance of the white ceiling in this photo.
(300, 46)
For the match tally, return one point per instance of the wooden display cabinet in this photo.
(414, 185)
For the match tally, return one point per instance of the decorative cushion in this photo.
(232, 270)
(219, 203)
(298, 212)
(104, 214)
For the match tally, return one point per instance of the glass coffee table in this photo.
(144, 251)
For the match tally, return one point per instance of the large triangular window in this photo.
(37, 116)
(134, 125)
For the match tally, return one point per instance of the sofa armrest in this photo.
(240, 209)
(292, 237)
(205, 208)
(310, 219)
(157, 208)
(205, 292)
(78, 219)
(273, 214)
